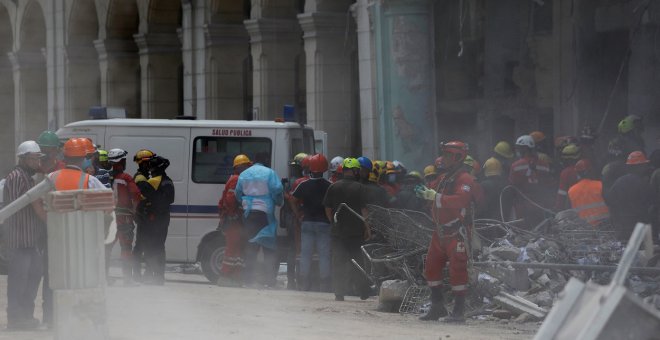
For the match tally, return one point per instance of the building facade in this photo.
(389, 79)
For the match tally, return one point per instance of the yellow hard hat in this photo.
(241, 160)
(503, 149)
(298, 158)
(143, 155)
(429, 170)
(571, 151)
(492, 167)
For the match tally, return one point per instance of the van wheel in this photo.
(210, 258)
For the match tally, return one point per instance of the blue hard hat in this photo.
(365, 162)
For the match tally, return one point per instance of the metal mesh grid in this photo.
(588, 245)
(403, 230)
(416, 297)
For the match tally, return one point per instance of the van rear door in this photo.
(212, 155)
(171, 143)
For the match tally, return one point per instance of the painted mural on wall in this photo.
(405, 84)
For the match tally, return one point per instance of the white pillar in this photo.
(119, 63)
(30, 94)
(194, 58)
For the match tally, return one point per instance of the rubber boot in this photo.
(438, 309)
(458, 314)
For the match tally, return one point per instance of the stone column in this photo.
(7, 129)
(369, 123)
(194, 58)
(404, 66)
(329, 80)
(275, 43)
(566, 112)
(83, 82)
(30, 94)
(228, 47)
(120, 74)
(160, 58)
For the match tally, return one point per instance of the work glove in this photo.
(426, 193)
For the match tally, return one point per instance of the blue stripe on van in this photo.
(194, 209)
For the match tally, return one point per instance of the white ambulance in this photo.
(201, 153)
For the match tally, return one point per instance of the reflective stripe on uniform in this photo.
(521, 167)
(120, 181)
(458, 288)
(433, 283)
(438, 200)
(562, 192)
(598, 217)
(543, 168)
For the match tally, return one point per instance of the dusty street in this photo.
(189, 308)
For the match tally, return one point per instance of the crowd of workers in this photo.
(527, 183)
(142, 206)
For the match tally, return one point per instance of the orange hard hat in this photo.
(75, 147)
(89, 145)
(637, 157)
(537, 136)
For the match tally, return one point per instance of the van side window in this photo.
(213, 157)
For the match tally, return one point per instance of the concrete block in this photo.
(80, 314)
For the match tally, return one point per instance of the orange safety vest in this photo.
(587, 199)
(70, 179)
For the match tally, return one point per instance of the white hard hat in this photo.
(526, 140)
(116, 155)
(335, 163)
(27, 147)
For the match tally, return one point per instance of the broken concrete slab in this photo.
(520, 305)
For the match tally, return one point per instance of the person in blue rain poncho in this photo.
(259, 190)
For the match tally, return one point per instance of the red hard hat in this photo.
(637, 157)
(75, 147)
(305, 163)
(583, 165)
(317, 163)
(457, 148)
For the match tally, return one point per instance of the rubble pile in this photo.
(509, 278)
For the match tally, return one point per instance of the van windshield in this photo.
(302, 144)
(213, 157)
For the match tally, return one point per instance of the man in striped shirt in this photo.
(25, 240)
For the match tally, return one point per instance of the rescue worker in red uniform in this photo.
(231, 226)
(452, 199)
(127, 197)
(531, 176)
(568, 177)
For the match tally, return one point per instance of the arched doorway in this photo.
(82, 68)
(30, 78)
(7, 132)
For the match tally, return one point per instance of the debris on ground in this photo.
(517, 274)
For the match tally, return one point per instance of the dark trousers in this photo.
(155, 234)
(252, 224)
(25, 269)
(346, 278)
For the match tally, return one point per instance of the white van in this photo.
(201, 154)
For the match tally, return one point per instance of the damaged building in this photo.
(389, 79)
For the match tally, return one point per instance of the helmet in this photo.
(116, 155)
(458, 148)
(526, 141)
(503, 149)
(637, 157)
(335, 163)
(143, 155)
(27, 147)
(241, 160)
(298, 159)
(583, 165)
(103, 156)
(305, 162)
(571, 151)
(562, 141)
(158, 163)
(390, 168)
(365, 163)
(89, 145)
(492, 167)
(75, 147)
(49, 139)
(429, 170)
(351, 163)
(400, 167)
(318, 163)
(537, 136)
(628, 124)
(414, 175)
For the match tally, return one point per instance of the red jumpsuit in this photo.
(531, 176)
(230, 214)
(127, 197)
(567, 179)
(450, 208)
